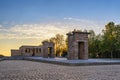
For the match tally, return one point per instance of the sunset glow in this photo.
(28, 22)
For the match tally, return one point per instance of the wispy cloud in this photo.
(0, 26)
(86, 24)
(47, 30)
(30, 31)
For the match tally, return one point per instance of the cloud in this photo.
(30, 31)
(47, 30)
(85, 24)
(0, 26)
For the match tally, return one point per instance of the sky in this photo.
(28, 22)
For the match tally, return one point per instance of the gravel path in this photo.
(28, 70)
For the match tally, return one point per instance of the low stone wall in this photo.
(75, 62)
(1, 59)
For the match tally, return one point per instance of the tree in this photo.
(59, 44)
(94, 44)
(1, 56)
(118, 36)
(109, 38)
(91, 43)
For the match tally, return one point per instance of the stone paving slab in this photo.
(30, 70)
(64, 61)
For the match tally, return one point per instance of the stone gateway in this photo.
(77, 45)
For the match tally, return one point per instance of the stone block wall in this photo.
(48, 49)
(31, 50)
(15, 52)
(77, 45)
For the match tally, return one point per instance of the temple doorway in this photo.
(80, 50)
(49, 51)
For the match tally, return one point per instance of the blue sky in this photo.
(36, 11)
(28, 22)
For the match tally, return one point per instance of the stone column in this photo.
(75, 50)
(86, 50)
(52, 54)
(45, 51)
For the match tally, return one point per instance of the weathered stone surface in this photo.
(30, 50)
(46, 50)
(15, 52)
(77, 45)
(27, 70)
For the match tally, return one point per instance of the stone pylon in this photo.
(77, 45)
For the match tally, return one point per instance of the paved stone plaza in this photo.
(29, 70)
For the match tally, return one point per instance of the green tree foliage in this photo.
(117, 36)
(109, 38)
(107, 44)
(94, 44)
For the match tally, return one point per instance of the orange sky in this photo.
(7, 44)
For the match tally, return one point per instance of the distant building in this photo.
(46, 50)
(30, 50)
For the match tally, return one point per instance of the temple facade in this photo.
(77, 45)
(30, 50)
(46, 50)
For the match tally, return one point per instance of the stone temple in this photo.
(77, 47)
(46, 50)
